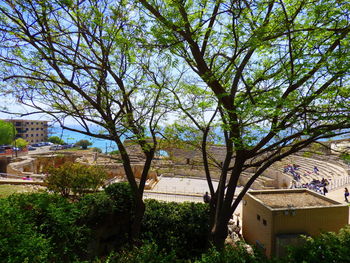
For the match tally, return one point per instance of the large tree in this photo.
(279, 71)
(7, 132)
(83, 60)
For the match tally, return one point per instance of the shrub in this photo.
(75, 178)
(328, 247)
(115, 152)
(96, 149)
(40, 228)
(83, 144)
(147, 253)
(56, 140)
(182, 227)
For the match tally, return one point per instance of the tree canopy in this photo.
(278, 70)
(85, 60)
(56, 140)
(7, 132)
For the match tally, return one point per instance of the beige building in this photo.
(273, 219)
(33, 131)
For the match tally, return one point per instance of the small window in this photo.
(264, 222)
(258, 217)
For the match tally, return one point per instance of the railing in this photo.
(339, 182)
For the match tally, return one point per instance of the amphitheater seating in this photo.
(329, 171)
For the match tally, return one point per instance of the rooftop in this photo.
(292, 198)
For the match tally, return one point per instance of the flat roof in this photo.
(292, 198)
(24, 120)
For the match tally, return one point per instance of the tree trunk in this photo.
(218, 234)
(137, 220)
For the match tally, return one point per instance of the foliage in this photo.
(121, 194)
(237, 254)
(20, 143)
(116, 152)
(40, 228)
(181, 227)
(276, 73)
(56, 140)
(345, 157)
(96, 149)
(83, 144)
(75, 178)
(7, 132)
(328, 247)
(147, 253)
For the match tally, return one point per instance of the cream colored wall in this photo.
(254, 230)
(311, 221)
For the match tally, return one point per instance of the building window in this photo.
(258, 217)
(32, 129)
(37, 129)
(32, 123)
(264, 222)
(26, 135)
(32, 135)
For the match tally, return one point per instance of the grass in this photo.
(7, 189)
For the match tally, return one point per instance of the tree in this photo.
(83, 144)
(278, 69)
(75, 178)
(7, 132)
(20, 143)
(56, 140)
(83, 60)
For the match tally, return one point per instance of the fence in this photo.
(339, 182)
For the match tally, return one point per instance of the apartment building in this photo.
(32, 131)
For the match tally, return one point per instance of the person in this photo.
(206, 198)
(325, 191)
(316, 170)
(346, 194)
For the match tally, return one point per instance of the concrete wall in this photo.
(254, 231)
(285, 221)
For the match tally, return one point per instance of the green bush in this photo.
(40, 228)
(147, 253)
(181, 227)
(229, 254)
(56, 140)
(96, 149)
(83, 144)
(122, 196)
(75, 178)
(328, 247)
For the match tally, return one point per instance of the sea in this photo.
(105, 145)
(73, 137)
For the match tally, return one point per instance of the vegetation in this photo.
(20, 143)
(7, 189)
(270, 77)
(265, 75)
(7, 132)
(56, 140)
(90, 68)
(83, 144)
(96, 149)
(75, 179)
(179, 228)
